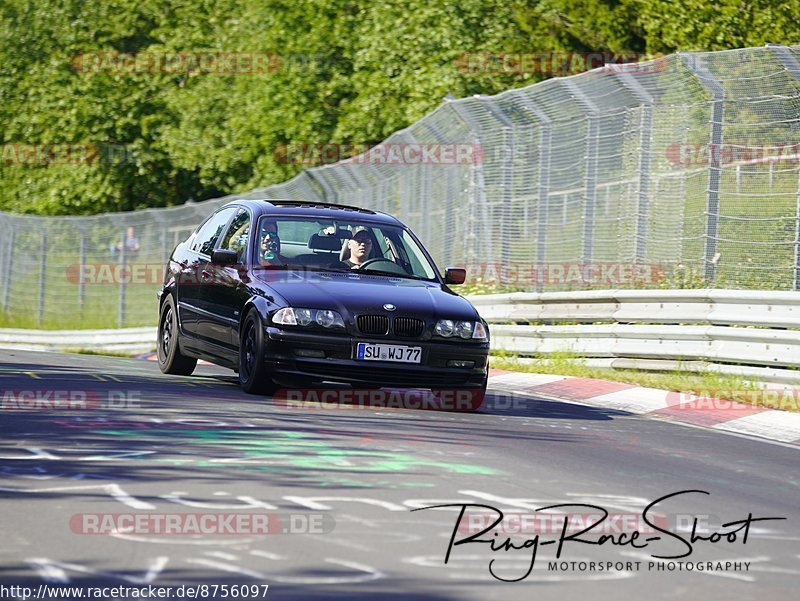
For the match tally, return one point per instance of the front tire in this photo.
(254, 376)
(463, 399)
(170, 358)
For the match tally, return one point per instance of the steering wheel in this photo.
(397, 268)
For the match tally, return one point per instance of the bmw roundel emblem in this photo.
(389, 307)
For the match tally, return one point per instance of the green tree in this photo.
(345, 71)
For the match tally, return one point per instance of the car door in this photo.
(194, 273)
(219, 294)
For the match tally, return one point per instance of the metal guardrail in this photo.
(127, 340)
(741, 332)
(751, 333)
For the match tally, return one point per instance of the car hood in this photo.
(351, 294)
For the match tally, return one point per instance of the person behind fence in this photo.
(130, 243)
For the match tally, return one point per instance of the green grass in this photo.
(83, 351)
(708, 384)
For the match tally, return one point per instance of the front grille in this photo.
(374, 325)
(408, 327)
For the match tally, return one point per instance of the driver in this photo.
(360, 246)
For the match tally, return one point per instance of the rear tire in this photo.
(254, 376)
(170, 358)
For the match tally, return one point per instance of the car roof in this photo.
(312, 208)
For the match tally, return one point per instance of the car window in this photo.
(207, 236)
(419, 263)
(314, 244)
(298, 231)
(235, 237)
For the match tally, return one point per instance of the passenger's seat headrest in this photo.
(329, 243)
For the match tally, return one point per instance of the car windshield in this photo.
(332, 245)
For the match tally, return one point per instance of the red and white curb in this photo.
(729, 416)
(154, 357)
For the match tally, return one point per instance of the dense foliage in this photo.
(345, 71)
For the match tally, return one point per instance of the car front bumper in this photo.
(284, 349)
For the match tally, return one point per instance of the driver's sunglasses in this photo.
(266, 235)
(362, 240)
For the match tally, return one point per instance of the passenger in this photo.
(270, 246)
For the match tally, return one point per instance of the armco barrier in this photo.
(742, 332)
(127, 340)
(745, 332)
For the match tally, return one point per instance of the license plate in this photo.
(388, 352)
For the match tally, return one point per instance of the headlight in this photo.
(304, 316)
(329, 319)
(447, 328)
(444, 327)
(464, 329)
(289, 316)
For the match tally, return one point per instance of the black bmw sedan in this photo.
(291, 293)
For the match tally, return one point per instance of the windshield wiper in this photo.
(393, 274)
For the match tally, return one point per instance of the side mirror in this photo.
(224, 257)
(455, 275)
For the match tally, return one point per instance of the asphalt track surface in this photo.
(198, 444)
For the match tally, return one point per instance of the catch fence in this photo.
(682, 171)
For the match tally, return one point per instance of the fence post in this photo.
(507, 185)
(123, 257)
(792, 65)
(314, 185)
(352, 172)
(645, 140)
(545, 153)
(477, 196)
(42, 274)
(425, 201)
(433, 173)
(7, 263)
(447, 251)
(696, 65)
(328, 193)
(383, 182)
(590, 176)
(81, 270)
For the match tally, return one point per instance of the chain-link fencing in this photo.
(682, 171)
